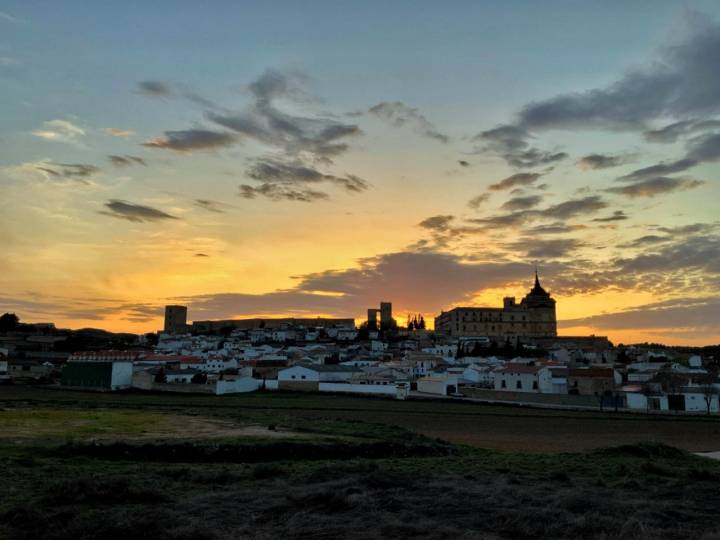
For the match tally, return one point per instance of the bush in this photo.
(267, 470)
(97, 491)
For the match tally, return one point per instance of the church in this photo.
(534, 316)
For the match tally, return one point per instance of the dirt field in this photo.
(493, 427)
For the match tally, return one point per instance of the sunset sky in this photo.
(315, 158)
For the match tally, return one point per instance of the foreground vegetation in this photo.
(139, 466)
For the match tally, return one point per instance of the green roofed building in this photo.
(111, 375)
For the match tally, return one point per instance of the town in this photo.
(506, 355)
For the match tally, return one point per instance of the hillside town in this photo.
(510, 354)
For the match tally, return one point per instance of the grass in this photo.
(497, 427)
(52, 424)
(599, 483)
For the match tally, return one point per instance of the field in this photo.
(84, 465)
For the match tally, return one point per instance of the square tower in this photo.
(175, 319)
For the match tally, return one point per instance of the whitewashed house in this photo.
(440, 384)
(317, 373)
(517, 377)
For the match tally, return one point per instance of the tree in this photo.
(160, 376)
(421, 324)
(199, 378)
(709, 389)
(9, 322)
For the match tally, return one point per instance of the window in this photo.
(535, 385)
(302, 377)
(293, 376)
(503, 385)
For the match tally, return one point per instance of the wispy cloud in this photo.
(119, 132)
(656, 186)
(399, 114)
(519, 179)
(136, 213)
(191, 140)
(599, 161)
(126, 160)
(62, 131)
(276, 192)
(511, 143)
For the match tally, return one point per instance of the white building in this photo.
(446, 352)
(319, 373)
(441, 384)
(516, 377)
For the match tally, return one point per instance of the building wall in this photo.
(122, 373)
(529, 397)
(513, 322)
(528, 382)
(88, 375)
(299, 386)
(245, 384)
(298, 373)
(375, 389)
(249, 324)
(175, 319)
(589, 386)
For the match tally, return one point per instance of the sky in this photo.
(316, 158)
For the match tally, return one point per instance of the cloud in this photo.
(557, 227)
(126, 160)
(692, 228)
(682, 80)
(437, 223)
(190, 140)
(519, 179)
(656, 186)
(426, 282)
(59, 172)
(477, 202)
(285, 176)
(155, 88)
(136, 213)
(618, 215)
(599, 161)
(210, 206)
(562, 211)
(672, 132)
(60, 131)
(119, 132)
(398, 114)
(276, 192)
(647, 240)
(539, 248)
(698, 253)
(299, 137)
(44, 307)
(661, 169)
(701, 315)
(201, 255)
(463, 163)
(510, 142)
(704, 148)
(574, 207)
(522, 203)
